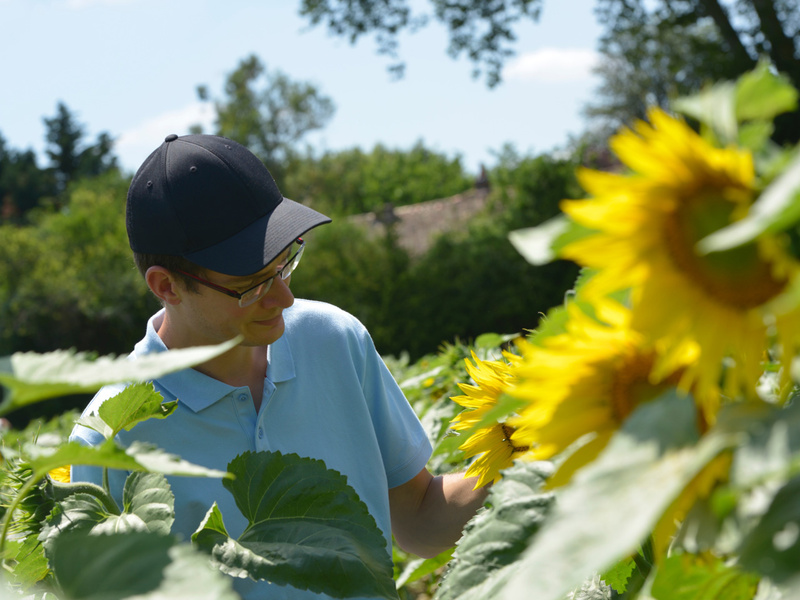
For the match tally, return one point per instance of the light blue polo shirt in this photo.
(327, 395)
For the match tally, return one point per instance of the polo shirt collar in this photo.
(198, 391)
(280, 362)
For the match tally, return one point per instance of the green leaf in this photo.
(46, 458)
(767, 454)
(540, 245)
(32, 377)
(210, 528)
(28, 562)
(306, 528)
(137, 457)
(617, 576)
(492, 341)
(109, 567)
(714, 107)
(602, 516)
(763, 95)
(497, 537)
(690, 577)
(777, 208)
(78, 512)
(419, 568)
(773, 546)
(153, 459)
(134, 404)
(188, 577)
(755, 135)
(149, 497)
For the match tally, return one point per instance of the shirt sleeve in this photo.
(405, 447)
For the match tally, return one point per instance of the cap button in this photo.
(171, 137)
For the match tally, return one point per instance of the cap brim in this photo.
(261, 242)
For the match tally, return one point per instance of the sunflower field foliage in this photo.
(643, 442)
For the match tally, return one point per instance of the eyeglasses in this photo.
(258, 291)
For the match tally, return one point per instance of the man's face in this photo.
(213, 317)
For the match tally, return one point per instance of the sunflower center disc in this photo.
(739, 277)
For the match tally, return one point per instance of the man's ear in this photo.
(164, 285)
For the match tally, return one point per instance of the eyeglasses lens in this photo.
(259, 292)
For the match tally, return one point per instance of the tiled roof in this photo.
(417, 225)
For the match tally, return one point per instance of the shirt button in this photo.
(242, 397)
(260, 432)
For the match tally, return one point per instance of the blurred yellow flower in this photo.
(491, 442)
(648, 224)
(61, 474)
(584, 382)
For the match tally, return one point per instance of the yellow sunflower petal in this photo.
(61, 474)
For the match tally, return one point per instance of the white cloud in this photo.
(552, 65)
(135, 144)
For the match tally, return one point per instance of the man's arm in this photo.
(429, 513)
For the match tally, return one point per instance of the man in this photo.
(217, 244)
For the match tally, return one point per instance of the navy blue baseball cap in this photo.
(212, 201)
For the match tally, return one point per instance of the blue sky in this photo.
(131, 68)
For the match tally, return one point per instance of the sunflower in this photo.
(647, 224)
(491, 443)
(581, 386)
(61, 474)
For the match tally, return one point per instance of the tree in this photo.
(656, 51)
(23, 184)
(481, 29)
(269, 119)
(70, 159)
(352, 181)
(68, 279)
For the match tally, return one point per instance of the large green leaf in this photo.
(770, 447)
(306, 528)
(137, 457)
(27, 562)
(77, 512)
(188, 577)
(714, 107)
(773, 546)
(777, 208)
(46, 458)
(690, 577)
(134, 404)
(498, 536)
(134, 566)
(148, 505)
(32, 377)
(418, 568)
(540, 245)
(149, 497)
(765, 461)
(109, 567)
(612, 504)
(763, 95)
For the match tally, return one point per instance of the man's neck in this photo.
(239, 366)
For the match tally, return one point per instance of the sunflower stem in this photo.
(106, 485)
